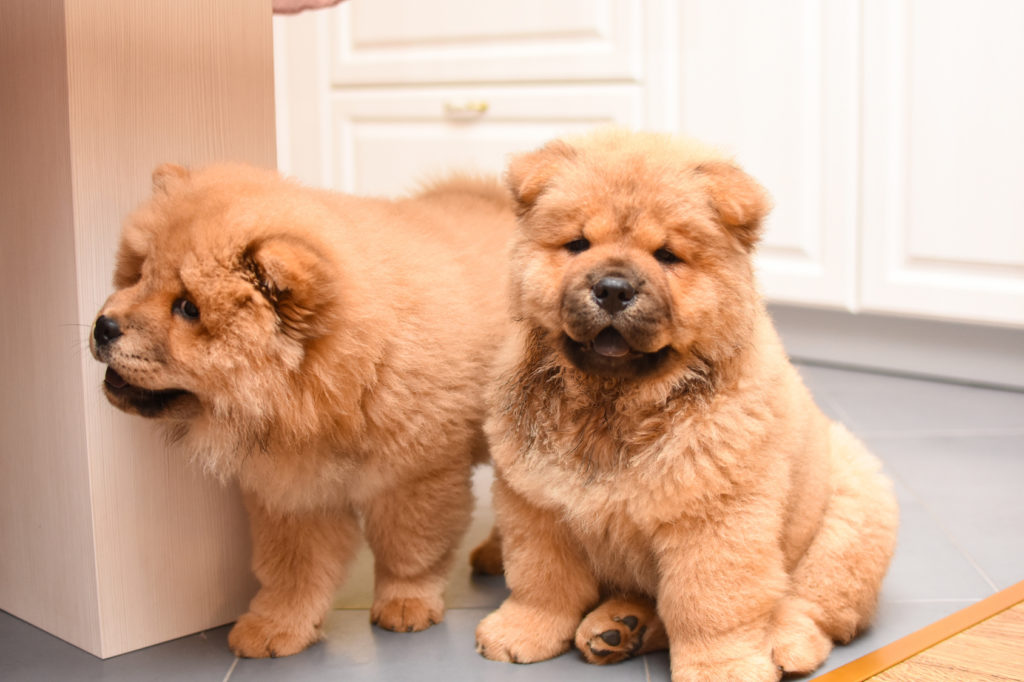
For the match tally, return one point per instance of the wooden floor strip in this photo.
(991, 651)
(890, 655)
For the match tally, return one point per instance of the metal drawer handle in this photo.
(476, 107)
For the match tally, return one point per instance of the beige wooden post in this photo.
(109, 539)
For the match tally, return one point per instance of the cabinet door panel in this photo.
(785, 103)
(401, 42)
(386, 143)
(943, 140)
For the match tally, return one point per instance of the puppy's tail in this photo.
(484, 187)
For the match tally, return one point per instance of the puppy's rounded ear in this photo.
(529, 174)
(167, 175)
(295, 278)
(131, 254)
(739, 200)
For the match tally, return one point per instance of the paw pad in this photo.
(618, 643)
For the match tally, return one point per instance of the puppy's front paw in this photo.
(258, 636)
(519, 634)
(619, 629)
(408, 614)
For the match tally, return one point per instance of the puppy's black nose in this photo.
(105, 330)
(613, 293)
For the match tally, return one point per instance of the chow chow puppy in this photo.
(663, 477)
(326, 351)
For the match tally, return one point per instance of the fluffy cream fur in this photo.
(663, 476)
(326, 351)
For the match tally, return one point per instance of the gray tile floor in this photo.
(955, 452)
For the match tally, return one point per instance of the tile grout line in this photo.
(981, 432)
(231, 670)
(836, 404)
(941, 600)
(831, 401)
(946, 532)
(843, 416)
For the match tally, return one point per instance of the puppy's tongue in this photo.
(114, 379)
(610, 344)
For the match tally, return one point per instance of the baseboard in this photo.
(973, 354)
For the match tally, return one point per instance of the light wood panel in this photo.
(47, 569)
(991, 651)
(110, 539)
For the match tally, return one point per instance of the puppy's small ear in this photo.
(167, 175)
(529, 174)
(128, 266)
(295, 278)
(739, 200)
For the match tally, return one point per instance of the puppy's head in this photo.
(633, 253)
(217, 295)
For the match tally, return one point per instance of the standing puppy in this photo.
(325, 351)
(659, 463)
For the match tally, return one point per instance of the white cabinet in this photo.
(376, 97)
(888, 131)
(400, 42)
(776, 84)
(890, 134)
(943, 183)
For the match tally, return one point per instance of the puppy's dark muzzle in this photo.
(105, 330)
(613, 294)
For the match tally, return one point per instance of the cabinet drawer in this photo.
(384, 143)
(494, 41)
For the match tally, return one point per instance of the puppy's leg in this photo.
(300, 560)
(551, 585)
(486, 558)
(619, 629)
(717, 593)
(413, 530)
(835, 585)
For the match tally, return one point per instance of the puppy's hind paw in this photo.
(619, 629)
(486, 558)
(406, 615)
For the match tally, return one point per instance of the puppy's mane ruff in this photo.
(614, 419)
(325, 393)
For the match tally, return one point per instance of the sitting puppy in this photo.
(325, 350)
(659, 463)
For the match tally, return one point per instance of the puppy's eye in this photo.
(577, 245)
(186, 309)
(667, 257)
